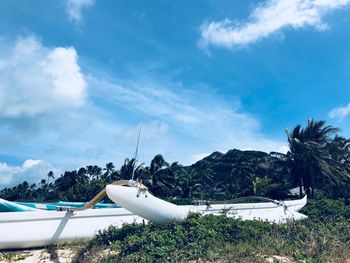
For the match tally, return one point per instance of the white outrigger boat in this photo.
(38, 225)
(137, 199)
(24, 225)
(43, 228)
(35, 227)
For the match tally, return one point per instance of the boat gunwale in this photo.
(14, 217)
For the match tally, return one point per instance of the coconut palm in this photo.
(242, 179)
(93, 171)
(189, 182)
(129, 168)
(157, 164)
(160, 177)
(310, 156)
(50, 175)
(339, 148)
(108, 170)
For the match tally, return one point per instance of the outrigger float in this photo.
(27, 225)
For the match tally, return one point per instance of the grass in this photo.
(12, 257)
(55, 253)
(324, 237)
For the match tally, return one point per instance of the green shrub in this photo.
(324, 237)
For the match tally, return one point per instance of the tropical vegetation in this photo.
(318, 158)
(324, 237)
(317, 163)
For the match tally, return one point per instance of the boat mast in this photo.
(136, 153)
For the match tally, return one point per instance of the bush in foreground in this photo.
(324, 237)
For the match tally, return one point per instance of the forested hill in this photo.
(241, 173)
(223, 165)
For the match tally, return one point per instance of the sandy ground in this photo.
(38, 255)
(67, 255)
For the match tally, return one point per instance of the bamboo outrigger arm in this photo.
(103, 193)
(97, 198)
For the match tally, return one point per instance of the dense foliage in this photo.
(324, 237)
(318, 159)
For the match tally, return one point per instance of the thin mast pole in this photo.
(136, 153)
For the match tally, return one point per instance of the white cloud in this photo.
(93, 134)
(267, 19)
(339, 113)
(35, 79)
(68, 82)
(31, 171)
(74, 8)
(196, 122)
(30, 163)
(41, 87)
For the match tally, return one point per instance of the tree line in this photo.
(318, 159)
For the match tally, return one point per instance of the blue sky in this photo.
(78, 78)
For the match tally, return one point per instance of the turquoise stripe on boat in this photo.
(54, 206)
(7, 206)
(41, 206)
(80, 204)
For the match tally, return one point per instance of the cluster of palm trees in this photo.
(317, 157)
(166, 180)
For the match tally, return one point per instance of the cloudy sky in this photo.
(78, 78)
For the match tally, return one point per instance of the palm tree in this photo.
(50, 175)
(82, 174)
(108, 171)
(130, 167)
(189, 182)
(94, 171)
(157, 164)
(242, 179)
(310, 157)
(339, 148)
(160, 177)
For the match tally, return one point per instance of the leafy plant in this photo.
(323, 237)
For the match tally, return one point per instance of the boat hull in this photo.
(43, 228)
(144, 204)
